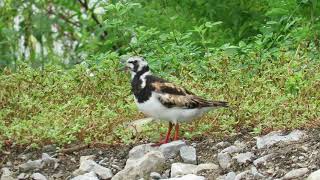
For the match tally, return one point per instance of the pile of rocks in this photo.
(273, 156)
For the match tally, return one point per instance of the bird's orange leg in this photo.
(167, 136)
(176, 134)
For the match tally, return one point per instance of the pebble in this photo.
(296, 173)
(6, 174)
(222, 144)
(179, 169)
(275, 137)
(231, 149)
(155, 176)
(87, 176)
(262, 160)
(152, 161)
(188, 154)
(31, 165)
(188, 177)
(224, 160)
(243, 158)
(22, 176)
(38, 176)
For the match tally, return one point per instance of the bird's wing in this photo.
(171, 95)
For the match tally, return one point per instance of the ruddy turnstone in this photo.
(163, 100)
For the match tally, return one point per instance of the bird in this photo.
(163, 100)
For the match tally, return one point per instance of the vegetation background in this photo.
(58, 61)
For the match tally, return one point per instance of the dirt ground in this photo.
(287, 156)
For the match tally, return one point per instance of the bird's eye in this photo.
(133, 62)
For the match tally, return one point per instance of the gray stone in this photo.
(179, 169)
(6, 174)
(87, 176)
(240, 144)
(256, 173)
(296, 173)
(223, 144)
(230, 176)
(155, 176)
(38, 176)
(204, 167)
(314, 175)
(262, 159)
(89, 157)
(87, 164)
(275, 137)
(188, 154)
(188, 177)
(224, 160)
(141, 167)
(31, 165)
(242, 175)
(170, 150)
(231, 150)
(243, 158)
(22, 176)
(48, 160)
(140, 150)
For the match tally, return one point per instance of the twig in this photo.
(72, 149)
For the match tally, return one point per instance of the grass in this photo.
(61, 106)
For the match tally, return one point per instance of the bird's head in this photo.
(136, 65)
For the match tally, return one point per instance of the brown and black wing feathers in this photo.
(171, 95)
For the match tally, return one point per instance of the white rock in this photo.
(6, 174)
(188, 154)
(155, 175)
(204, 167)
(230, 176)
(22, 176)
(242, 175)
(89, 157)
(224, 160)
(231, 149)
(275, 137)
(256, 173)
(187, 177)
(31, 165)
(140, 150)
(243, 158)
(222, 144)
(38, 176)
(314, 175)
(137, 168)
(171, 149)
(296, 173)
(179, 169)
(262, 159)
(90, 165)
(87, 176)
(48, 160)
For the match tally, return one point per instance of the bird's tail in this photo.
(219, 104)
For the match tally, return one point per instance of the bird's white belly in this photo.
(155, 109)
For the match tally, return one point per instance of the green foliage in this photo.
(261, 56)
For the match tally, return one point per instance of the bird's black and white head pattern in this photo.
(137, 65)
